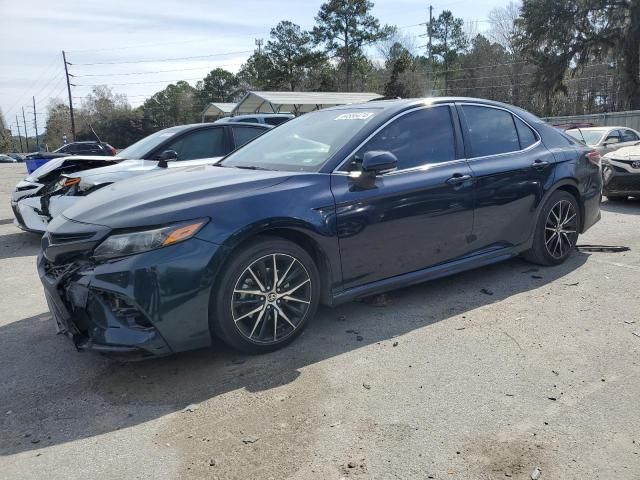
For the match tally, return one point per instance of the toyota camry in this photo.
(334, 205)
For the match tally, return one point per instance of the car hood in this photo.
(61, 162)
(168, 195)
(625, 153)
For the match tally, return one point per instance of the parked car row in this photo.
(331, 206)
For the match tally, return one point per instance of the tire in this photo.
(248, 312)
(553, 240)
(616, 198)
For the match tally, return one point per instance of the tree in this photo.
(218, 86)
(345, 27)
(6, 144)
(449, 41)
(558, 36)
(398, 62)
(177, 104)
(291, 56)
(58, 123)
(257, 73)
(504, 30)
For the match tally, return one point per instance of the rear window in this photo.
(275, 120)
(527, 136)
(491, 131)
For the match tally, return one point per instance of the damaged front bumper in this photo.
(149, 304)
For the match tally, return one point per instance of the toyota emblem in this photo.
(636, 164)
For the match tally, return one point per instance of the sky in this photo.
(151, 35)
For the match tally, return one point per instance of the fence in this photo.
(629, 119)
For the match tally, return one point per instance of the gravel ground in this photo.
(439, 381)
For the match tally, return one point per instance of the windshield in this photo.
(302, 144)
(143, 147)
(590, 137)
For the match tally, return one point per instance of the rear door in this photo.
(414, 217)
(512, 169)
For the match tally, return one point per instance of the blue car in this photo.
(329, 207)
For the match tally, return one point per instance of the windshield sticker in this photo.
(355, 116)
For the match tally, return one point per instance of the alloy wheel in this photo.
(561, 229)
(271, 298)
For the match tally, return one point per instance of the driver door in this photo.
(417, 216)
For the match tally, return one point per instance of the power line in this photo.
(156, 71)
(139, 83)
(163, 59)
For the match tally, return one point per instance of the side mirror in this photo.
(379, 161)
(167, 156)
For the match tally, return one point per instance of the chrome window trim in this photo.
(530, 147)
(377, 130)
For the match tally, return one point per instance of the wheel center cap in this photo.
(272, 297)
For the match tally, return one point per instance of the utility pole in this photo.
(66, 71)
(429, 44)
(259, 42)
(26, 136)
(35, 123)
(19, 136)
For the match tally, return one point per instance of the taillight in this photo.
(594, 157)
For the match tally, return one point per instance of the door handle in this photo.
(539, 165)
(458, 178)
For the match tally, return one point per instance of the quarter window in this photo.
(527, 136)
(417, 138)
(491, 131)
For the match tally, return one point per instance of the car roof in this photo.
(587, 129)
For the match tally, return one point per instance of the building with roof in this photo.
(297, 102)
(217, 110)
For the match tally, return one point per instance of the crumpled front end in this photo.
(148, 304)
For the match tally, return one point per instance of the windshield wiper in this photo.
(250, 167)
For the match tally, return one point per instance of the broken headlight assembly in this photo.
(130, 243)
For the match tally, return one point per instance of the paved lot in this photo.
(444, 381)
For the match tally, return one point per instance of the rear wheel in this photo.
(556, 232)
(266, 296)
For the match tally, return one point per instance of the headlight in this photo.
(122, 244)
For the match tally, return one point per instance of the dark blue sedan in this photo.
(335, 205)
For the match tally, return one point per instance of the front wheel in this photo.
(557, 229)
(266, 296)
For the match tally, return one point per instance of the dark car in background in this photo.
(78, 148)
(62, 182)
(334, 205)
(7, 159)
(273, 119)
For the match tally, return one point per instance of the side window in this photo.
(491, 131)
(629, 136)
(199, 144)
(417, 138)
(275, 120)
(242, 135)
(248, 120)
(527, 136)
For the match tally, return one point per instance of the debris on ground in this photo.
(342, 318)
(571, 284)
(555, 373)
(486, 291)
(359, 338)
(637, 334)
(381, 300)
(460, 328)
(367, 386)
(602, 248)
(191, 408)
(552, 398)
(395, 344)
(212, 462)
(537, 277)
(535, 475)
(248, 440)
